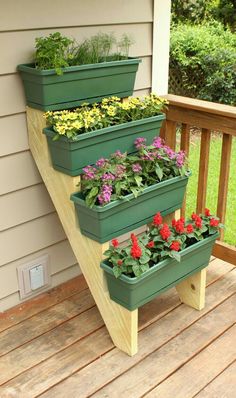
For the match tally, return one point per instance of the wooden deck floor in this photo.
(57, 346)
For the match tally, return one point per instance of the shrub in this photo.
(226, 13)
(208, 52)
(190, 10)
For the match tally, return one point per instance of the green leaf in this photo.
(107, 253)
(144, 259)
(138, 180)
(117, 271)
(137, 270)
(176, 255)
(159, 172)
(130, 261)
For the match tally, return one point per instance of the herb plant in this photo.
(161, 242)
(57, 51)
(122, 174)
(111, 111)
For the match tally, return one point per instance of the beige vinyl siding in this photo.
(29, 224)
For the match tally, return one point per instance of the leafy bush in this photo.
(189, 10)
(226, 13)
(208, 52)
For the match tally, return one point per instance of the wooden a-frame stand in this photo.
(121, 323)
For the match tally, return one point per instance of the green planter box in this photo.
(45, 90)
(70, 157)
(132, 293)
(121, 216)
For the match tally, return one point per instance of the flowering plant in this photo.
(130, 260)
(122, 174)
(110, 112)
(161, 242)
(168, 241)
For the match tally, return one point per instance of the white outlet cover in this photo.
(30, 282)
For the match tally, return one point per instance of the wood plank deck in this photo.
(57, 346)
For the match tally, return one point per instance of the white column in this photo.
(161, 45)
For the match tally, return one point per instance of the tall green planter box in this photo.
(46, 90)
(132, 293)
(70, 156)
(121, 216)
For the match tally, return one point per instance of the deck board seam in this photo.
(188, 359)
(222, 371)
(162, 345)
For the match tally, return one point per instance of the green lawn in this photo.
(213, 180)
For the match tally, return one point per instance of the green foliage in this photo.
(52, 52)
(226, 13)
(57, 51)
(209, 52)
(188, 10)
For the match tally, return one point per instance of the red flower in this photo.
(150, 244)
(157, 219)
(115, 243)
(179, 226)
(194, 216)
(182, 220)
(134, 238)
(119, 262)
(175, 246)
(136, 251)
(214, 222)
(190, 228)
(198, 222)
(165, 232)
(207, 213)
(173, 222)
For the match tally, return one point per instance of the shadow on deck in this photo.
(57, 346)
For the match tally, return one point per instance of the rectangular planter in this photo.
(70, 157)
(132, 293)
(121, 216)
(46, 90)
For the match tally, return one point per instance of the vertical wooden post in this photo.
(192, 290)
(203, 170)
(224, 178)
(121, 323)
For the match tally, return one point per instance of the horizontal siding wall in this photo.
(29, 225)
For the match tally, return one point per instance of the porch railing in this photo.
(208, 117)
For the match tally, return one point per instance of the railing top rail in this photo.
(202, 106)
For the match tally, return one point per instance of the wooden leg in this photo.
(192, 290)
(121, 323)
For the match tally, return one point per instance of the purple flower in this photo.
(180, 159)
(105, 195)
(170, 153)
(140, 142)
(107, 177)
(101, 162)
(148, 156)
(157, 142)
(137, 168)
(89, 172)
(120, 170)
(118, 155)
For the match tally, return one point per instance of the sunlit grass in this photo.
(213, 181)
